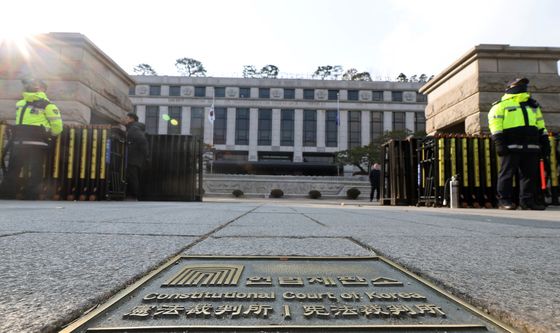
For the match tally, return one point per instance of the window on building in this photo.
(219, 91)
(264, 92)
(421, 98)
(220, 126)
(289, 93)
(174, 90)
(172, 127)
(376, 125)
(132, 90)
(197, 121)
(399, 121)
(331, 128)
(155, 90)
(354, 129)
(244, 92)
(308, 93)
(265, 127)
(353, 95)
(333, 94)
(242, 126)
(396, 96)
(152, 119)
(199, 91)
(287, 127)
(420, 121)
(310, 128)
(377, 96)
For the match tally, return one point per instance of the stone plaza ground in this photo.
(60, 259)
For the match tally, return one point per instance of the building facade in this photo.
(279, 122)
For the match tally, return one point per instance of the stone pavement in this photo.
(59, 259)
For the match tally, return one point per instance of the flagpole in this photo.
(338, 128)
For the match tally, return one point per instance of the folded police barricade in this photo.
(88, 163)
(420, 171)
(174, 169)
(82, 163)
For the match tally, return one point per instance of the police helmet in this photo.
(32, 84)
(518, 82)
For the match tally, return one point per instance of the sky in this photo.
(384, 38)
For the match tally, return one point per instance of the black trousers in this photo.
(527, 164)
(132, 181)
(374, 188)
(25, 160)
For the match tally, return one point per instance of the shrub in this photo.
(353, 193)
(237, 193)
(314, 194)
(276, 193)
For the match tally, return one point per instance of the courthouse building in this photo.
(274, 125)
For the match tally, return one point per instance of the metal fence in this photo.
(398, 172)
(88, 163)
(83, 163)
(418, 171)
(174, 171)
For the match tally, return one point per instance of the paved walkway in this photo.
(59, 259)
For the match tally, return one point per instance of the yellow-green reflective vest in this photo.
(518, 119)
(35, 109)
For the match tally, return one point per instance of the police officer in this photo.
(37, 120)
(519, 135)
(137, 154)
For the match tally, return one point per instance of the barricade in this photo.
(174, 171)
(426, 166)
(88, 163)
(474, 162)
(398, 172)
(83, 163)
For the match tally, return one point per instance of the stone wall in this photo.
(292, 186)
(464, 92)
(83, 81)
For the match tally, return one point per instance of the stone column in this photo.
(208, 128)
(163, 124)
(321, 128)
(186, 120)
(141, 113)
(298, 135)
(343, 131)
(365, 128)
(387, 121)
(230, 135)
(276, 127)
(409, 121)
(253, 128)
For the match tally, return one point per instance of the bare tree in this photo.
(144, 69)
(268, 71)
(249, 71)
(353, 75)
(190, 67)
(328, 72)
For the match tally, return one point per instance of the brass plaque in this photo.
(284, 294)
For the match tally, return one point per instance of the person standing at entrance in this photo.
(374, 180)
(137, 154)
(519, 134)
(37, 120)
